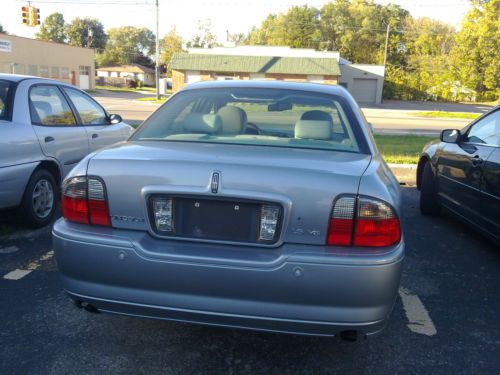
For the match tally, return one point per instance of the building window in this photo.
(33, 70)
(84, 70)
(54, 72)
(65, 73)
(44, 71)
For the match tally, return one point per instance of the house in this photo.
(365, 82)
(70, 64)
(135, 71)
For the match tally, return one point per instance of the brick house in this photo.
(274, 63)
(365, 82)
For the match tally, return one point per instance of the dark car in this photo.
(461, 172)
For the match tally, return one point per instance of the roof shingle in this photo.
(255, 64)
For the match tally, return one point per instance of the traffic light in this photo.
(25, 15)
(34, 16)
(30, 16)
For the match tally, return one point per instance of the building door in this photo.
(315, 79)
(364, 90)
(84, 77)
(192, 76)
(257, 76)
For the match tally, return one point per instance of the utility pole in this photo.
(385, 55)
(386, 45)
(157, 68)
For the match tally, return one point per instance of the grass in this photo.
(152, 99)
(126, 89)
(464, 115)
(401, 149)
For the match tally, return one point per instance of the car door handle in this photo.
(94, 136)
(476, 160)
(49, 139)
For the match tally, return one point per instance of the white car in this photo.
(46, 128)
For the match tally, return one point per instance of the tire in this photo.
(428, 199)
(40, 199)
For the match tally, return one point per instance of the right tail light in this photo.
(363, 221)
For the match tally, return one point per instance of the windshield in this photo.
(254, 116)
(5, 92)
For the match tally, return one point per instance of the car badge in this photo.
(215, 182)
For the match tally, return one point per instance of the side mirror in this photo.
(450, 136)
(370, 125)
(115, 119)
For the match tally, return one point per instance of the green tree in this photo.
(171, 43)
(299, 27)
(86, 32)
(127, 45)
(52, 29)
(204, 38)
(2, 30)
(476, 54)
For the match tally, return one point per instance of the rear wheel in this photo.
(40, 199)
(428, 198)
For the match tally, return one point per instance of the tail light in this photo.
(363, 221)
(84, 201)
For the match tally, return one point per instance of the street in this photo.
(394, 117)
(445, 319)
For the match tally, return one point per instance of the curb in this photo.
(406, 174)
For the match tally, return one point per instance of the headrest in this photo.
(202, 123)
(312, 129)
(317, 115)
(234, 119)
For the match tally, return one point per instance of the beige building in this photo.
(59, 61)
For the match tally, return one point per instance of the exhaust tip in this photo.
(349, 335)
(87, 307)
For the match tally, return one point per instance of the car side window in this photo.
(49, 107)
(89, 111)
(486, 131)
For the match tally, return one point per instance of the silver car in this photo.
(260, 205)
(46, 128)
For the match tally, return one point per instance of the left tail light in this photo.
(84, 201)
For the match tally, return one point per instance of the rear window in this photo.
(251, 116)
(5, 99)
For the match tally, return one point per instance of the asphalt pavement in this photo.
(445, 321)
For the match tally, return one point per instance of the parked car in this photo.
(46, 128)
(461, 172)
(261, 205)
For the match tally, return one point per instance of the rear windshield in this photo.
(246, 116)
(5, 102)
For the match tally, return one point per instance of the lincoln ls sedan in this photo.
(258, 205)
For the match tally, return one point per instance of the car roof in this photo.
(300, 86)
(21, 77)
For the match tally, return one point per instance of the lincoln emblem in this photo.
(215, 182)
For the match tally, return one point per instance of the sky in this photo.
(233, 15)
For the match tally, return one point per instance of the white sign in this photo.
(5, 45)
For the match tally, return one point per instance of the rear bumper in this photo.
(294, 289)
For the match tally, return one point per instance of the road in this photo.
(445, 320)
(391, 118)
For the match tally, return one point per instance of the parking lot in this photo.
(446, 319)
